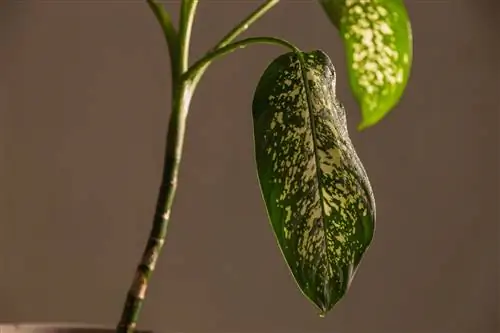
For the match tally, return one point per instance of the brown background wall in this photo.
(84, 93)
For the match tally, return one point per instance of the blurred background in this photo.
(84, 103)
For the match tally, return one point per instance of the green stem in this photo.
(199, 67)
(170, 35)
(181, 98)
(188, 11)
(246, 23)
(175, 138)
(183, 85)
(233, 34)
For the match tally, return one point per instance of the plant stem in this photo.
(188, 11)
(176, 129)
(247, 22)
(170, 35)
(234, 33)
(200, 65)
(183, 87)
(181, 98)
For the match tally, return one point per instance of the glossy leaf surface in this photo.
(317, 194)
(378, 41)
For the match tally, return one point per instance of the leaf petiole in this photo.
(188, 12)
(246, 23)
(170, 34)
(199, 67)
(233, 34)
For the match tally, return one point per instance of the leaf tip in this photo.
(373, 113)
(370, 118)
(363, 125)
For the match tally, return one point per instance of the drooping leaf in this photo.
(379, 47)
(317, 194)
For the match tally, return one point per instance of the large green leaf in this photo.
(318, 196)
(378, 41)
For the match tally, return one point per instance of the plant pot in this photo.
(55, 328)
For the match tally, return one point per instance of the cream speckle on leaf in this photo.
(318, 196)
(378, 43)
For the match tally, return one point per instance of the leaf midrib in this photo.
(316, 159)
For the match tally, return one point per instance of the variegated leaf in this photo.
(318, 196)
(379, 47)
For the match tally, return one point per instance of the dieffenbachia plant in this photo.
(318, 197)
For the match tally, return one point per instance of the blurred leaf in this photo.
(318, 196)
(378, 41)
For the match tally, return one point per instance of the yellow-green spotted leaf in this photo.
(317, 194)
(378, 41)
